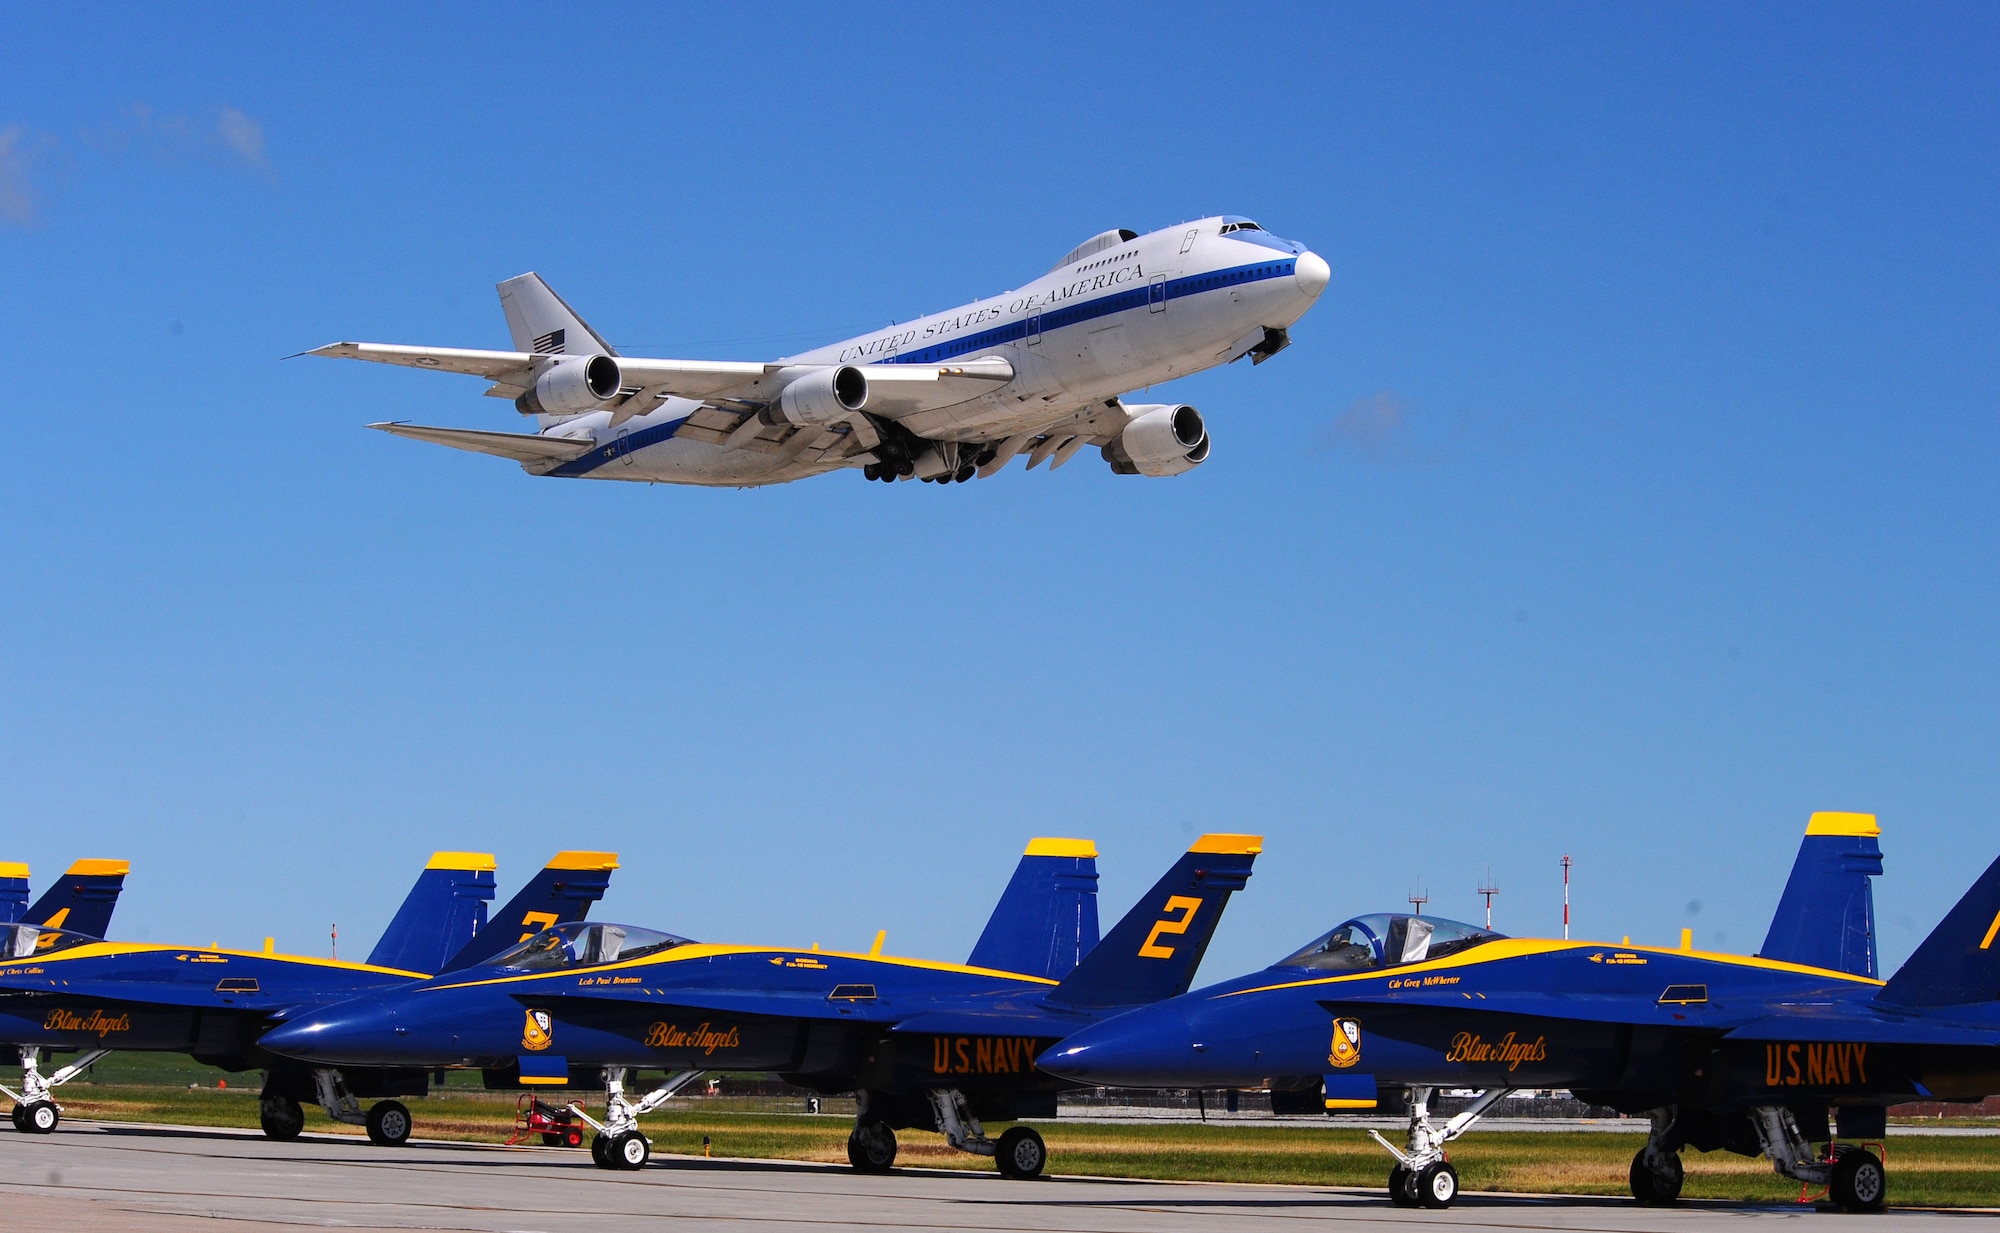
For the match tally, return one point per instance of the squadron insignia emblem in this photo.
(535, 1035)
(1346, 1049)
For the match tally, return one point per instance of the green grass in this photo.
(1924, 1170)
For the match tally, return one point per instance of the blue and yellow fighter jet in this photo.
(922, 1044)
(1741, 1053)
(63, 990)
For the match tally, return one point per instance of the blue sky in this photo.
(1631, 492)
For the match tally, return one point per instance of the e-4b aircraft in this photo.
(1038, 370)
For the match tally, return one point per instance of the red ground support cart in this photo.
(557, 1126)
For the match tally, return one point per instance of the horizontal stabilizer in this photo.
(520, 446)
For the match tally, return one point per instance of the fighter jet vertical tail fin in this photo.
(1826, 917)
(1959, 963)
(82, 899)
(1046, 921)
(443, 912)
(562, 892)
(1153, 952)
(13, 891)
(542, 324)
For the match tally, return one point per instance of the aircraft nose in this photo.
(1144, 1048)
(1312, 273)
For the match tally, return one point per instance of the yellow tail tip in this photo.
(100, 868)
(583, 860)
(13, 869)
(471, 862)
(1061, 847)
(1843, 824)
(1229, 845)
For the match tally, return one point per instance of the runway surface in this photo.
(93, 1177)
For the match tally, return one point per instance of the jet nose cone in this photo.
(1312, 273)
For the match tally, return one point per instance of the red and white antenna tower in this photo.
(1566, 863)
(1418, 899)
(1489, 890)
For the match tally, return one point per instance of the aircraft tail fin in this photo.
(443, 912)
(1152, 953)
(13, 891)
(1046, 921)
(1826, 917)
(541, 323)
(562, 892)
(82, 899)
(1959, 963)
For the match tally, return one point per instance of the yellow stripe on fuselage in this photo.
(1524, 948)
(706, 950)
(113, 950)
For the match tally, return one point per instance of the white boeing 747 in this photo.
(946, 398)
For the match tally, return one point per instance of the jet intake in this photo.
(1160, 440)
(824, 395)
(572, 386)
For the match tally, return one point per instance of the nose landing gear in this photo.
(1422, 1176)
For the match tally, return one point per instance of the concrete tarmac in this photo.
(101, 1177)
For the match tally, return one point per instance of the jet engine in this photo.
(824, 395)
(571, 386)
(1160, 440)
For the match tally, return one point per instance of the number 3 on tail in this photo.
(1186, 906)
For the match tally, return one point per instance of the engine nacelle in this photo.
(824, 395)
(1161, 439)
(572, 386)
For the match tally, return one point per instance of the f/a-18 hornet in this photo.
(1040, 369)
(1734, 1052)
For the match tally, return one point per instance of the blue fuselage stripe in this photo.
(1047, 320)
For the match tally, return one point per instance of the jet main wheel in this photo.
(1021, 1154)
(629, 1151)
(1399, 1187)
(281, 1117)
(389, 1123)
(1859, 1182)
(1437, 1184)
(872, 1148)
(1649, 1187)
(38, 1118)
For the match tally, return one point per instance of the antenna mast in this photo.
(1418, 899)
(1489, 890)
(1566, 863)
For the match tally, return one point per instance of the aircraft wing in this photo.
(520, 446)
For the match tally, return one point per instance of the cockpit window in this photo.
(582, 944)
(33, 941)
(1387, 940)
(1239, 224)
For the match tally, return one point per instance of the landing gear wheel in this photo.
(965, 473)
(1652, 1189)
(1021, 1154)
(600, 1151)
(1437, 1185)
(1399, 1187)
(281, 1117)
(39, 1118)
(872, 1148)
(389, 1123)
(1859, 1183)
(20, 1116)
(629, 1151)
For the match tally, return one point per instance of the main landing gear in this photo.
(35, 1109)
(618, 1143)
(1655, 1175)
(1853, 1176)
(1019, 1152)
(1423, 1176)
(387, 1122)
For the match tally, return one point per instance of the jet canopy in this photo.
(33, 941)
(582, 944)
(1387, 940)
